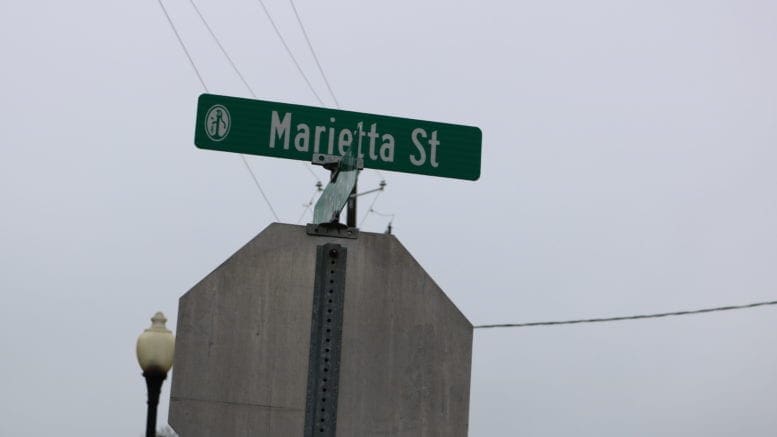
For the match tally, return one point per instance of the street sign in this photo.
(284, 130)
(336, 193)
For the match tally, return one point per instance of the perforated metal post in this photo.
(325, 341)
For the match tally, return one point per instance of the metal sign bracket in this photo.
(332, 163)
(337, 230)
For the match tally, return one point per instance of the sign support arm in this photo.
(351, 221)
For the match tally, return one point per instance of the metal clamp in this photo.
(331, 162)
(334, 229)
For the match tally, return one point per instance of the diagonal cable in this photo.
(259, 186)
(223, 50)
(310, 46)
(309, 203)
(205, 87)
(370, 210)
(288, 51)
(234, 65)
(183, 46)
(390, 216)
(320, 68)
(621, 318)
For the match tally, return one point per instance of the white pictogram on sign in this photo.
(217, 122)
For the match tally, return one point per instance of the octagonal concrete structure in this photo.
(243, 336)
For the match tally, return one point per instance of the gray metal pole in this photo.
(351, 222)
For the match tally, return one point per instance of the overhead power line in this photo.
(389, 216)
(370, 210)
(320, 68)
(288, 51)
(223, 50)
(183, 46)
(621, 318)
(259, 186)
(310, 46)
(205, 87)
(309, 203)
(234, 67)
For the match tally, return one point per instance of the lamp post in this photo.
(155, 349)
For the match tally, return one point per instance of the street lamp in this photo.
(155, 349)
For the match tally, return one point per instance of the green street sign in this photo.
(336, 193)
(283, 130)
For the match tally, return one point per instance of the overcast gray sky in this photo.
(628, 166)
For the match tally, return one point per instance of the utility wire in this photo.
(370, 210)
(320, 68)
(373, 211)
(205, 87)
(259, 186)
(183, 46)
(234, 67)
(391, 216)
(291, 55)
(310, 202)
(616, 319)
(312, 173)
(307, 207)
(310, 46)
(223, 50)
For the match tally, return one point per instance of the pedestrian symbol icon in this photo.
(217, 122)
